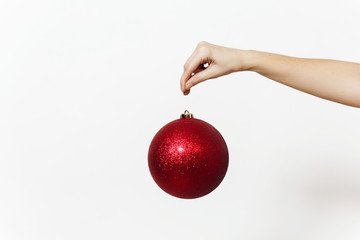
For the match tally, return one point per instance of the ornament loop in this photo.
(187, 114)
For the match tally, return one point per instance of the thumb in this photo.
(199, 77)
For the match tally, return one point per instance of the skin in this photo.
(333, 80)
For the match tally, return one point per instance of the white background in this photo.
(85, 85)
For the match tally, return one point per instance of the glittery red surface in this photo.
(188, 158)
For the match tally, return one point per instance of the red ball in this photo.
(188, 158)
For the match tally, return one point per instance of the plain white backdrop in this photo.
(85, 85)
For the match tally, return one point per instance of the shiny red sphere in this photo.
(188, 158)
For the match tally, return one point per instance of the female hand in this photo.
(210, 61)
(333, 80)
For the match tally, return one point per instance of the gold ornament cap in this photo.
(186, 114)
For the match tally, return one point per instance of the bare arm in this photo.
(337, 81)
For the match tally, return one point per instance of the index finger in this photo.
(190, 67)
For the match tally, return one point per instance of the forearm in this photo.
(329, 79)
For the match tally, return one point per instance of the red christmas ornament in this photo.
(188, 158)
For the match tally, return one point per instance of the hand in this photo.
(210, 61)
(334, 80)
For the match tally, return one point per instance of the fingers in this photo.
(201, 76)
(199, 69)
(187, 92)
(195, 64)
(186, 74)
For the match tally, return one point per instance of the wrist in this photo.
(248, 60)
